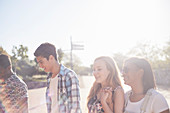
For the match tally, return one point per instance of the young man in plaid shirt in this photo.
(63, 91)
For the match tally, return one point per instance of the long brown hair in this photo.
(148, 76)
(113, 78)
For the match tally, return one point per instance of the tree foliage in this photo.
(21, 64)
(158, 57)
(20, 52)
(166, 52)
(60, 54)
(2, 51)
(153, 53)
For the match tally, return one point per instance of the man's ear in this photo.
(51, 57)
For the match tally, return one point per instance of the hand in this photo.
(106, 94)
(110, 96)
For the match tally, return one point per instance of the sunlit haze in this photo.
(104, 27)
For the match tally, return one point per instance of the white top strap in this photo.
(127, 97)
(146, 100)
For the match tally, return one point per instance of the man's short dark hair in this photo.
(45, 50)
(4, 61)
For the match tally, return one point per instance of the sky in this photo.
(104, 27)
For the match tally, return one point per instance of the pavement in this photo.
(37, 96)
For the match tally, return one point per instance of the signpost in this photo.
(74, 46)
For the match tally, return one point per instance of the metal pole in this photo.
(71, 59)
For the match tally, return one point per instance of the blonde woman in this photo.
(106, 94)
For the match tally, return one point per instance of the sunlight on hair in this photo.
(125, 87)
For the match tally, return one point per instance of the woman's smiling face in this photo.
(130, 73)
(100, 71)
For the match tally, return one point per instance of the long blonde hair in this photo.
(113, 78)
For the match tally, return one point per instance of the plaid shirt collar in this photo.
(61, 73)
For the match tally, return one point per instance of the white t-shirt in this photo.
(134, 107)
(156, 104)
(53, 94)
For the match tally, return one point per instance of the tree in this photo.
(21, 64)
(153, 53)
(14, 58)
(66, 60)
(26, 68)
(81, 70)
(60, 54)
(167, 53)
(20, 52)
(2, 51)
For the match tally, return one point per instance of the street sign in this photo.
(77, 47)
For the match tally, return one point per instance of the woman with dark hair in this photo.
(106, 94)
(13, 90)
(143, 98)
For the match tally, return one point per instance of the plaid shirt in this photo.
(68, 93)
